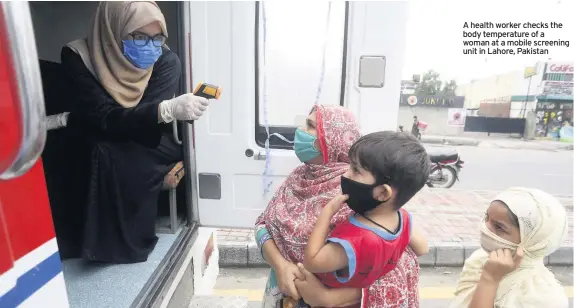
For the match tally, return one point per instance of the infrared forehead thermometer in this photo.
(208, 91)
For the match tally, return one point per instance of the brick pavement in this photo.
(449, 217)
(445, 215)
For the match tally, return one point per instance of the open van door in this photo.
(30, 268)
(365, 42)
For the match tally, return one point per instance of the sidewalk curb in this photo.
(243, 254)
(526, 145)
(450, 141)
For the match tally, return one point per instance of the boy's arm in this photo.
(316, 294)
(322, 257)
(419, 243)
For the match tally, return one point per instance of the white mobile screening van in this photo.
(219, 43)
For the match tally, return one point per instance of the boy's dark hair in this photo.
(394, 158)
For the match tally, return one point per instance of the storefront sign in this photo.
(432, 101)
(557, 90)
(530, 71)
(559, 68)
(497, 100)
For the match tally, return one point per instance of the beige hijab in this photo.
(102, 52)
(543, 228)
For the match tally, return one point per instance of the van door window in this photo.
(294, 52)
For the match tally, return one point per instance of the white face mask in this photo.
(491, 242)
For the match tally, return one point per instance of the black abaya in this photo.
(130, 155)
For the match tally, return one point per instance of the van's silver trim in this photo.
(25, 58)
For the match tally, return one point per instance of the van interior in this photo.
(65, 156)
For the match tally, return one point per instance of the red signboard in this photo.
(560, 68)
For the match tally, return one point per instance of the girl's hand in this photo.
(335, 204)
(286, 275)
(501, 263)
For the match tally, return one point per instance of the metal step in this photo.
(213, 301)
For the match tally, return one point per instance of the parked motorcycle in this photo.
(445, 167)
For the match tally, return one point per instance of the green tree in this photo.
(449, 88)
(430, 84)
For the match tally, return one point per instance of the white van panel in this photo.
(376, 28)
(204, 264)
(223, 54)
(223, 48)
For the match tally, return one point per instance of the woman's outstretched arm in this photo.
(93, 109)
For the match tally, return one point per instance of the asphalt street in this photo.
(497, 169)
(436, 284)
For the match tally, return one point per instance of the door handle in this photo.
(260, 156)
(175, 133)
(257, 156)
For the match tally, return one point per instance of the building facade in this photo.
(444, 115)
(504, 95)
(554, 102)
(545, 88)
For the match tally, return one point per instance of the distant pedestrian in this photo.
(521, 227)
(415, 129)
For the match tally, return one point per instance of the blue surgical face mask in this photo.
(141, 56)
(305, 146)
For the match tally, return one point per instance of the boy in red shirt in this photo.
(387, 170)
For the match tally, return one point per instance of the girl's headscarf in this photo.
(102, 52)
(293, 211)
(543, 228)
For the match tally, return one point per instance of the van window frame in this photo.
(288, 131)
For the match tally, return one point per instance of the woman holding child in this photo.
(283, 230)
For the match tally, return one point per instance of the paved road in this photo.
(497, 169)
(436, 284)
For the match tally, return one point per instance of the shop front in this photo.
(554, 108)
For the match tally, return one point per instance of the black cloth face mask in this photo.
(360, 195)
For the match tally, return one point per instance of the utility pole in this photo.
(523, 111)
(529, 72)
